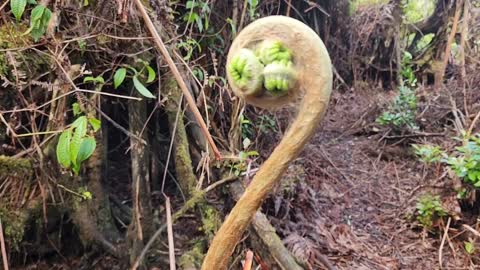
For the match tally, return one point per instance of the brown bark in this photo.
(440, 72)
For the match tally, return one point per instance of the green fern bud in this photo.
(246, 71)
(279, 77)
(270, 51)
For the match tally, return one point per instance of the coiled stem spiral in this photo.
(296, 71)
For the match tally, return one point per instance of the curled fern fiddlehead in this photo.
(272, 50)
(309, 84)
(246, 71)
(271, 66)
(279, 77)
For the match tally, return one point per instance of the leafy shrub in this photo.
(428, 153)
(429, 208)
(465, 160)
(401, 112)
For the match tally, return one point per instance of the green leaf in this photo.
(37, 33)
(151, 74)
(47, 14)
(87, 195)
(32, 2)
(76, 109)
(80, 131)
(37, 13)
(18, 7)
(469, 247)
(86, 149)
(95, 123)
(95, 80)
(141, 88)
(63, 149)
(119, 77)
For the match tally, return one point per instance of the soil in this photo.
(352, 201)
(356, 203)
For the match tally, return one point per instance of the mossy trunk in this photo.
(183, 162)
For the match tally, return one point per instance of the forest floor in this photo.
(357, 203)
(353, 200)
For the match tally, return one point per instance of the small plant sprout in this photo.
(465, 160)
(39, 19)
(428, 153)
(402, 111)
(121, 74)
(429, 209)
(97, 81)
(74, 145)
(469, 247)
(241, 163)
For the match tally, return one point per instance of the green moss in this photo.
(211, 220)
(27, 62)
(183, 161)
(193, 258)
(14, 167)
(13, 223)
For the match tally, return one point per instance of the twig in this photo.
(3, 5)
(191, 102)
(419, 134)
(472, 230)
(463, 39)
(440, 250)
(470, 129)
(289, 7)
(324, 154)
(451, 36)
(171, 247)
(4, 251)
(248, 260)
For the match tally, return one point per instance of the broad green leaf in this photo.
(95, 123)
(32, 2)
(87, 147)
(18, 7)
(99, 79)
(151, 74)
(47, 14)
(63, 149)
(141, 88)
(82, 120)
(80, 131)
(37, 13)
(37, 34)
(119, 77)
(76, 109)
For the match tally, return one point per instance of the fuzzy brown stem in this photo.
(314, 70)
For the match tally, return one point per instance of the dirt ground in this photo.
(356, 200)
(350, 197)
